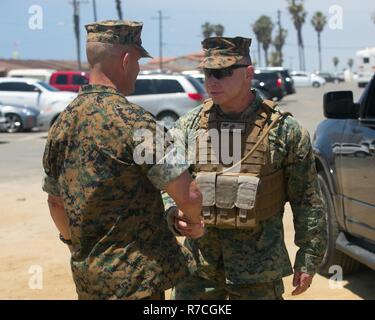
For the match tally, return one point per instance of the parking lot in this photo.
(29, 244)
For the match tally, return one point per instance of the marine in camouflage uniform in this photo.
(121, 245)
(250, 263)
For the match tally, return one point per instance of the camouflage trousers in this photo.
(197, 288)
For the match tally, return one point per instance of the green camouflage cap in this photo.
(117, 32)
(223, 52)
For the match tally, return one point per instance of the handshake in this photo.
(181, 225)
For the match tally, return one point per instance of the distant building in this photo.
(177, 64)
(11, 64)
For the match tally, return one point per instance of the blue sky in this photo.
(182, 29)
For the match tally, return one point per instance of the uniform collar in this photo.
(248, 112)
(98, 88)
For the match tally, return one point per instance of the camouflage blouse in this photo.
(122, 248)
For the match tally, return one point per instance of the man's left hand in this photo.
(302, 281)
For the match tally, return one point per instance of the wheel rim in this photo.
(13, 123)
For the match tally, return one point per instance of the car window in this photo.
(167, 86)
(143, 86)
(197, 84)
(62, 79)
(17, 86)
(79, 80)
(47, 86)
(264, 76)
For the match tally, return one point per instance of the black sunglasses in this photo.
(222, 73)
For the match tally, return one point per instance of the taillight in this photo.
(279, 83)
(195, 96)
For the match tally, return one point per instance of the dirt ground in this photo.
(29, 247)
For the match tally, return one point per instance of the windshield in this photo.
(47, 86)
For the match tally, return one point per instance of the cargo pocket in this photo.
(206, 183)
(245, 202)
(226, 192)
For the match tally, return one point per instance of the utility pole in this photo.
(280, 35)
(76, 4)
(161, 18)
(94, 7)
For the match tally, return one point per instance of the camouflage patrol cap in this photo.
(117, 32)
(223, 52)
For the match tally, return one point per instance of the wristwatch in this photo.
(68, 242)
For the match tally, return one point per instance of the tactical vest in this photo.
(238, 196)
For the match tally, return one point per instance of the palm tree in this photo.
(319, 21)
(298, 14)
(119, 10)
(279, 43)
(264, 28)
(257, 31)
(350, 63)
(207, 30)
(218, 30)
(336, 62)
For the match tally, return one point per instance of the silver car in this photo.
(18, 118)
(168, 96)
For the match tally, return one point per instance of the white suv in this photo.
(31, 92)
(167, 96)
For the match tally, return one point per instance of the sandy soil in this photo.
(29, 246)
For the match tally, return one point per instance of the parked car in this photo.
(196, 74)
(330, 78)
(49, 114)
(304, 79)
(2, 122)
(271, 82)
(31, 92)
(344, 148)
(18, 118)
(287, 79)
(167, 96)
(69, 80)
(38, 74)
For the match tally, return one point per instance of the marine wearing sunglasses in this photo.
(222, 73)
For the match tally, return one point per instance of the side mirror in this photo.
(340, 105)
(37, 90)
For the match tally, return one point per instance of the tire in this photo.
(360, 154)
(316, 84)
(168, 118)
(13, 123)
(333, 256)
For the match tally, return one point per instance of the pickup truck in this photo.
(344, 148)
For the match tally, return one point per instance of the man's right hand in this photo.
(189, 230)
